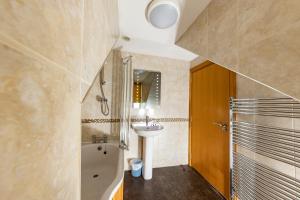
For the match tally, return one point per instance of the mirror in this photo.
(146, 88)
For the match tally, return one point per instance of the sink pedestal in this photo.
(148, 132)
(147, 157)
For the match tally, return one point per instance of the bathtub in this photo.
(102, 171)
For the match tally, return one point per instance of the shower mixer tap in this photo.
(101, 98)
(99, 139)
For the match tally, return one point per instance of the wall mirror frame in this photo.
(146, 89)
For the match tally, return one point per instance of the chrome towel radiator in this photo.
(255, 180)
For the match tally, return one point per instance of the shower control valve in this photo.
(101, 99)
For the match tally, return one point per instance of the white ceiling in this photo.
(147, 39)
(157, 49)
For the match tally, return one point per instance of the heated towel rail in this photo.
(255, 180)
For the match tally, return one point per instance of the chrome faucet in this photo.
(99, 139)
(147, 120)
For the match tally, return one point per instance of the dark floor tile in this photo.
(170, 183)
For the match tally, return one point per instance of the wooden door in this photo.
(211, 88)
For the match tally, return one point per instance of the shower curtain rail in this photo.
(126, 102)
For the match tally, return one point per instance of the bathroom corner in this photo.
(149, 99)
(172, 112)
(43, 48)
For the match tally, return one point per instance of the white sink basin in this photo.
(153, 129)
(148, 133)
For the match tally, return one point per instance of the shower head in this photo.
(101, 76)
(101, 98)
(126, 38)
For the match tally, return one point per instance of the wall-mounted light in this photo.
(163, 14)
(137, 92)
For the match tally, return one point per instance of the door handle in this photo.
(222, 125)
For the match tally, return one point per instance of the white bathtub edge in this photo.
(114, 186)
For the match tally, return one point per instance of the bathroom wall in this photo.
(173, 111)
(48, 51)
(247, 88)
(100, 33)
(171, 146)
(259, 39)
(93, 120)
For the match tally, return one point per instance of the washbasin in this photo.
(147, 130)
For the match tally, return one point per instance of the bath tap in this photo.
(99, 139)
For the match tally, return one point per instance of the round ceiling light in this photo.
(163, 13)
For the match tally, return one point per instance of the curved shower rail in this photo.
(126, 102)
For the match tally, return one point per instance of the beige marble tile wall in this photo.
(255, 38)
(42, 44)
(171, 146)
(40, 129)
(100, 32)
(91, 108)
(247, 88)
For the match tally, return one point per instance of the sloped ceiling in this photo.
(144, 37)
(261, 41)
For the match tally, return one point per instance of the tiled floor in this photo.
(170, 183)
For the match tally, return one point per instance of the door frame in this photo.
(232, 93)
